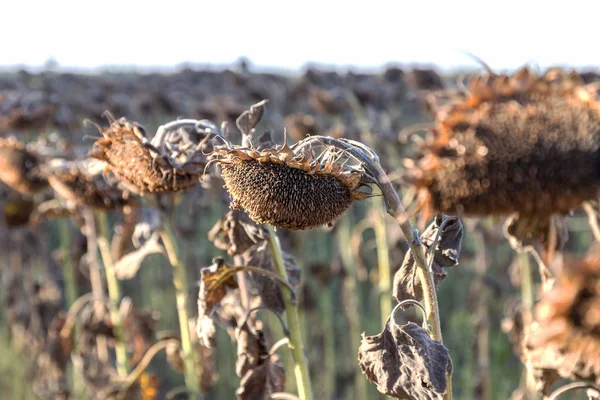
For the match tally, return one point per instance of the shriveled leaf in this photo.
(251, 349)
(405, 363)
(259, 383)
(269, 291)
(129, 264)
(407, 284)
(250, 118)
(214, 282)
(228, 312)
(206, 360)
(236, 232)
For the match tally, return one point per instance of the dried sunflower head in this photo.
(84, 183)
(171, 162)
(295, 187)
(522, 143)
(20, 168)
(564, 340)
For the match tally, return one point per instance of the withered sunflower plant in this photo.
(524, 147)
(309, 184)
(171, 162)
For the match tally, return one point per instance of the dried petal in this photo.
(250, 118)
(407, 284)
(405, 363)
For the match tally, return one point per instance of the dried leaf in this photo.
(236, 233)
(405, 363)
(251, 348)
(260, 382)
(407, 284)
(269, 291)
(214, 282)
(250, 118)
(128, 265)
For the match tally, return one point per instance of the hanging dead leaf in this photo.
(251, 347)
(236, 232)
(269, 291)
(214, 282)
(405, 363)
(407, 284)
(128, 265)
(261, 373)
(260, 382)
(250, 118)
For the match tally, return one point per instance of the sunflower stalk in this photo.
(295, 338)
(527, 301)
(114, 294)
(95, 279)
(180, 283)
(369, 162)
(383, 265)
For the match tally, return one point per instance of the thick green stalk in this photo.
(180, 283)
(383, 264)
(295, 337)
(114, 293)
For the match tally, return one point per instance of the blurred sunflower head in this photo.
(84, 183)
(523, 143)
(565, 338)
(20, 168)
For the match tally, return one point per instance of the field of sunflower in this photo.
(228, 234)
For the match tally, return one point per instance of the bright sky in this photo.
(372, 33)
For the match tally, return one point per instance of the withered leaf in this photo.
(251, 348)
(250, 118)
(260, 382)
(236, 232)
(129, 264)
(407, 284)
(405, 363)
(214, 282)
(269, 290)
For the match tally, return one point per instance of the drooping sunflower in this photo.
(171, 162)
(295, 187)
(84, 183)
(521, 145)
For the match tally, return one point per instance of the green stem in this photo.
(351, 292)
(295, 338)
(179, 281)
(114, 293)
(329, 343)
(527, 301)
(69, 273)
(383, 265)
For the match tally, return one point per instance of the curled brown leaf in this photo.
(407, 284)
(405, 363)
